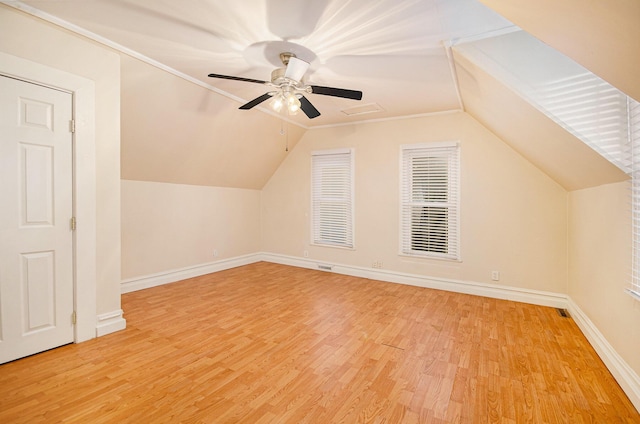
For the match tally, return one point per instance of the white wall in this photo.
(600, 264)
(168, 227)
(30, 38)
(513, 216)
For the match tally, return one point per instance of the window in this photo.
(607, 120)
(591, 109)
(332, 197)
(429, 204)
(634, 163)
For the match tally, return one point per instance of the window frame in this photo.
(633, 162)
(316, 239)
(452, 150)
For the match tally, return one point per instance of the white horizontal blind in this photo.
(332, 198)
(607, 120)
(591, 109)
(634, 164)
(429, 210)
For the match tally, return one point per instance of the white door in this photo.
(36, 204)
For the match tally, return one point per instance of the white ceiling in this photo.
(395, 51)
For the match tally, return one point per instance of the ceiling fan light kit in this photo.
(290, 88)
(285, 97)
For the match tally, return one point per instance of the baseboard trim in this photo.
(110, 322)
(147, 281)
(535, 297)
(621, 371)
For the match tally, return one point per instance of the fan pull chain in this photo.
(286, 147)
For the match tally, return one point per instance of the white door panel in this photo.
(36, 205)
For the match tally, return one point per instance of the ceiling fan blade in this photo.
(237, 78)
(336, 92)
(296, 69)
(255, 101)
(308, 108)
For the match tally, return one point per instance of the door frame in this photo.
(82, 91)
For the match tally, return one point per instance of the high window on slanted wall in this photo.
(607, 120)
(634, 165)
(430, 200)
(332, 197)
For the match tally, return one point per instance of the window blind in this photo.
(332, 198)
(429, 200)
(592, 110)
(634, 164)
(607, 120)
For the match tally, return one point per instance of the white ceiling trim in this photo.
(454, 75)
(484, 35)
(448, 45)
(391, 118)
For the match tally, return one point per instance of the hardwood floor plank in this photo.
(266, 343)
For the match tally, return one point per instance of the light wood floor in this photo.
(267, 343)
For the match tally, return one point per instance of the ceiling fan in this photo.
(289, 88)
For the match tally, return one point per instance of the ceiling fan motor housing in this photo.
(285, 56)
(279, 80)
(277, 76)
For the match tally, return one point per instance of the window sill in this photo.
(633, 294)
(435, 258)
(333, 246)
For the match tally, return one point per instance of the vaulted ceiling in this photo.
(394, 51)
(408, 57)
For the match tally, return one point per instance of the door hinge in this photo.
(73, 223)
(72, 125)
(74, 318)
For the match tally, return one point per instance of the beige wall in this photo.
(178, 132)
(192, 168)
(600, 263)
(166, 227)
(30, 38)
(513, 216)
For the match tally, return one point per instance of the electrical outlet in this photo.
(215, 253)
(306, 253)
(495, 275)
(377, 264)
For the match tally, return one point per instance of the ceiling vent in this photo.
(361, 110)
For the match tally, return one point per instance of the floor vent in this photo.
(325, 267)
(563, 313)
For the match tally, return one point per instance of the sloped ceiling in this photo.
(602, 36)
(562, 156)
(174, 131)
(500, 81)
(396, 51)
